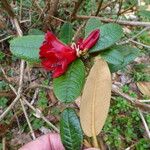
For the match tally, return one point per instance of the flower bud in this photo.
(90, 41)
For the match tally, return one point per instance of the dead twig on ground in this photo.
(4, 143)
(35, 85)
(122, 22)
(126, 10)
(145, 101)
(135, 36)
(34, 96)
(27, 119)
(133, 101)
(141, 44)
(136, 103)
(30, 106)
(144, 123)
(6, 38)
(41, 115)
(9, 107)
(22, 65)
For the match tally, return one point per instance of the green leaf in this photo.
(109, 35)
(70, 130)
(69, 86)
(66, 33)
(119, 56)
(113, 56)
(27, 47)
(91, 25)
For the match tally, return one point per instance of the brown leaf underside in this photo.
(96, 98)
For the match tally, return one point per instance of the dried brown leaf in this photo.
(144, 87)
(96, 98)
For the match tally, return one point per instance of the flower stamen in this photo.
(76, 47)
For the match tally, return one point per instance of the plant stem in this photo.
(95, 143)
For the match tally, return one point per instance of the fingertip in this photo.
(50, 141)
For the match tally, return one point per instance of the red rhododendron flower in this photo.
(56, 56)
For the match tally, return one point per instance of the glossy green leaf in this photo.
(109, 35)
(91, 25)
(113, 56)
(119, 56)
(70, 130)
(69, 86)
(66, 33)
(27, 47)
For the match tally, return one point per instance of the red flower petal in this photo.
(60, 69)
(56, 56)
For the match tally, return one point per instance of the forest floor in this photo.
(128, 122)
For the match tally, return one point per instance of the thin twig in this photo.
(21, 76)
(144, 123)
(35, 85)
(4, 74)
(122, 12)
(18, 29)
(27, 119)
(9, 107)
(120, 7)
(4, 143)
(145, 101)
(136, 103)
(22, 65)
(135, 36)
(34, 96)
(23, 21)
(133, 101)
(6, 38)
(20, 11)
(35, 110)
(41, 115)
(141, 44)
(28, 72)
(56, 18)
(122, 22)
(18, 123)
